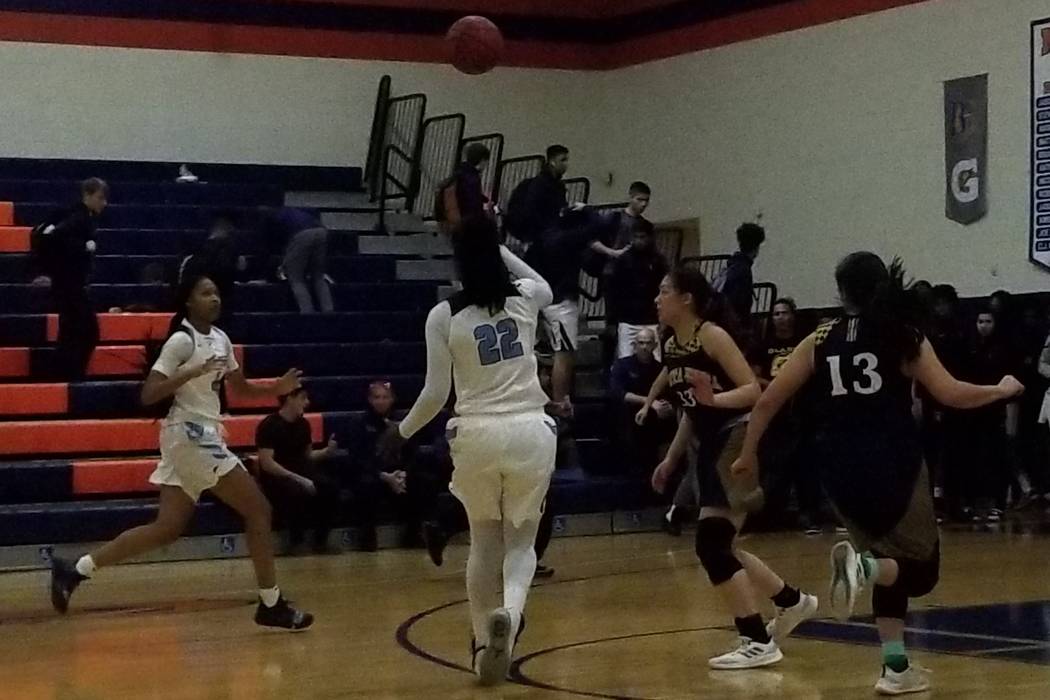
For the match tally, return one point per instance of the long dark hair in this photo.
(183, 292)
(486, 281)
(708, 304)
(880, 296)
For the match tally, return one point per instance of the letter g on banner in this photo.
(966, 148)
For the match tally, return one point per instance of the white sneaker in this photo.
(493, 660)
(787, 619)
(847, 579)
(185, 176)
(911, 680)
(748, 654)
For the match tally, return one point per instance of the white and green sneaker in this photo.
(847, 579)
(911, 680)
(787, 619)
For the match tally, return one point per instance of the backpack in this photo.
(446, 206)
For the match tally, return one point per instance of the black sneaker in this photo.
(543, 571)
(64, 580)
(435, 539)
(282, 615)
(670, 523)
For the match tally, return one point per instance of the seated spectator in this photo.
(410, 488)
(643, 445)
(630, 290)
(302, 494)
(64, 247)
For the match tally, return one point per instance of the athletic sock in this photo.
(753, 628)
(269, 596)
(86, 566)
(894, 657)
(787, 597)
(870, 565)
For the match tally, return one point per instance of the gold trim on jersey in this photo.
(824, 329)
(673, 349)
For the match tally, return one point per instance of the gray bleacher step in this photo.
(329, 200)
(421, 244)
(396, 222)
(26, 557)
(423, 270)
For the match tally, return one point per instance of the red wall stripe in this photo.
(285, 41)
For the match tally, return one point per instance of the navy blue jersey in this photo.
(690, 354)
(867, 442)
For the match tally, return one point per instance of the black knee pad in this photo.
(889, 601)
(919, 576)
(714, 548)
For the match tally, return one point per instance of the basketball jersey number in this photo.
(867, 363)
(498, 342)
(685, 396)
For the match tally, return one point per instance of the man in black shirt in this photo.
(631, 288)
(302, 494)
(737, 283)
(64, 247)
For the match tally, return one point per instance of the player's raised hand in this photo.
(289, 382)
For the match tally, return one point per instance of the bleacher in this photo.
(74, 458)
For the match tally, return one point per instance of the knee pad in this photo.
(889, 601)
(919, 576)
(714, 548)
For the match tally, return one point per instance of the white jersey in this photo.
(489, 357)
(197, 399)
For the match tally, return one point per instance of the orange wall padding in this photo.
(7, 214)
(238, 401)
(114, 436)
(14, 362)
(118, 359)
(122, 327)
(34, 399)
(14, 239)
(113, 476)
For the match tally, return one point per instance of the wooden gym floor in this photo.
(627, 616)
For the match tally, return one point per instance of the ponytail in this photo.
(882, 297)
(708, 304)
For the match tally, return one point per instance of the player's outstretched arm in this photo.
(949, 391)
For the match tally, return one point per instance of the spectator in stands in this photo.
(782, 444)
(536, 203)
(627, 221)
(64, 246)
(302, 493)
(305, 245)
(643, 445)
(630, 290)
(462, 196)
(218, 258)
(737, 283)
(412, 492)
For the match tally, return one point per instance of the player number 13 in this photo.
(867, 363)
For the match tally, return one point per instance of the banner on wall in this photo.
(1039, 225)
(965, 148)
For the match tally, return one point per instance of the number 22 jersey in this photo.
(493, 364)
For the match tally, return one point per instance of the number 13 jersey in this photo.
(493, 363)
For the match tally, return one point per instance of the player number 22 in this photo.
(498, 342)
(867, 363)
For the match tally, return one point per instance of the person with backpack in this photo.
(461, 197)
(63, 248)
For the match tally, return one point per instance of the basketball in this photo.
(475, 45)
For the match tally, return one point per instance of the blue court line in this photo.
(1015, 631)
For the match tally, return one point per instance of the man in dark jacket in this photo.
(737, 283)
(64, 247)
(542, 198)
(631, 289)
(470, 196)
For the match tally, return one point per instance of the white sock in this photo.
(86, 566)
(484, 575)
(269, 596)
(519, 566)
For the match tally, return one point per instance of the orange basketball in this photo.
(475, 45)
